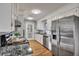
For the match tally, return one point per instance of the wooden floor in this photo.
(38, 49)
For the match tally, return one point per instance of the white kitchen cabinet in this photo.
(40, 25)
(39, 38)
(5, 17)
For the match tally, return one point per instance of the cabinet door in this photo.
(40, 25)
(39, 38)
(5, 17)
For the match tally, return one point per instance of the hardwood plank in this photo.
(38, 49)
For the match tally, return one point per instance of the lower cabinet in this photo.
(39, 38)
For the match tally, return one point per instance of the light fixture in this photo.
(30, 18)
(36, 11)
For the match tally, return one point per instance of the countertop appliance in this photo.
(3, 38)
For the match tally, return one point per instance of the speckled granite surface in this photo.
(16, 50)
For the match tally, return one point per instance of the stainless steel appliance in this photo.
(66, 39)
(3, 40)
(65, 36)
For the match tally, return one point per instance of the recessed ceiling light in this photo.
(30, 18)
(36, 11)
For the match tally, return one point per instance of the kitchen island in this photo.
(16, 48)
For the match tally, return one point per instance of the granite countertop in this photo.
(16, 50)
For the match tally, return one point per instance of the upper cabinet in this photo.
(5, 17)
(39, 25)
(42, 25)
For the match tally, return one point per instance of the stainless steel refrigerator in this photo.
(65, 36)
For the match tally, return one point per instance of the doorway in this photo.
(29, 30)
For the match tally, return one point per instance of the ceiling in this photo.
(24, 9)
